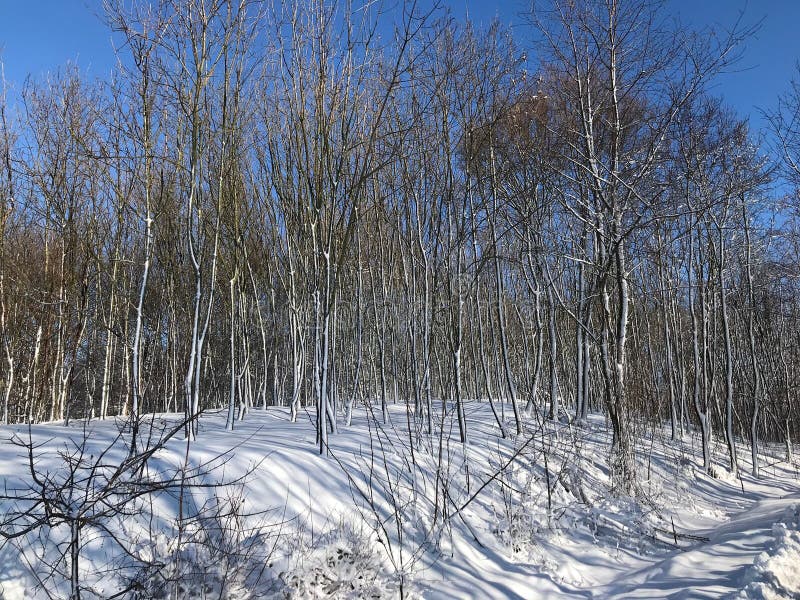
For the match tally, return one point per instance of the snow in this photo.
(776, 572)
(531, 517)
(719, 567)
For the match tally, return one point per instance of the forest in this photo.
(342, 210)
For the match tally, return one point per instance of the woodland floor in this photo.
(530, 517)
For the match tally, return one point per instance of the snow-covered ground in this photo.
(390, 513)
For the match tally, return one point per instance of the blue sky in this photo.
(37, 36)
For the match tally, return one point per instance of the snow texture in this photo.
(528, 517)
(775, 575)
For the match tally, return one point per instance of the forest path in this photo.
(716, 568)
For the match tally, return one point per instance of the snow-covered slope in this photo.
(392, 513)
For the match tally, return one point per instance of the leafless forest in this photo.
(328, 206)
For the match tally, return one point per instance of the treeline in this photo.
(324, 206)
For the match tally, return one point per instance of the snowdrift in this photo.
(390, 512)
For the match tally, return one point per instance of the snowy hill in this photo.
(257, 513)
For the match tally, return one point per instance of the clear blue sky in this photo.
(37, 36)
